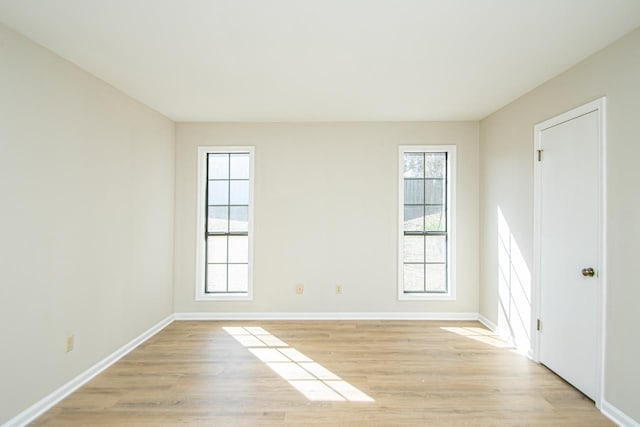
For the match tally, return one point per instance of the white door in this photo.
(569, 242)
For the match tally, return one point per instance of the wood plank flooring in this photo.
(417, 373)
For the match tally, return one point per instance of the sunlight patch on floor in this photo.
(478, 334)
(311, 379)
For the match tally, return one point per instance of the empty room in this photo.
(319, 213)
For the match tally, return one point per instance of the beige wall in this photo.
(326, 198)
(507, 184)
(86, 185)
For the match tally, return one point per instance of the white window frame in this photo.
(451, 222)
(200, 294)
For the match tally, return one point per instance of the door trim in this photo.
(598, 105)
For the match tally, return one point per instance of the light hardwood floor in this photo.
(416, 373)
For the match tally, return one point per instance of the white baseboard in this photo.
(488, 323)
(505, 337)
(44, 404)
(326, 316)
(617, 416)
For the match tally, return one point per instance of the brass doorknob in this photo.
(588, 272)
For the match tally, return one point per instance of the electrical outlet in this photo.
(70, 343)
(299, 289)
(338, 289)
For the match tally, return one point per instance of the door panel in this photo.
(569, 242)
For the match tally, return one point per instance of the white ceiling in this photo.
(323, 60)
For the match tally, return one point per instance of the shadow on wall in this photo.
(514, 289)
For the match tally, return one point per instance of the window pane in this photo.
(238, 249)
(217, 249)
(435, 165)
(414, 218)
(218, 166)
(218, 193)
(436, 277)
(413, 250)
(435, 218)
(413, 191)
(218, 218)
(239, 166)
(227, 210)
(413, 277)
(413, 165)
(238, 277)
(239, 218)
(436, 248)
(434, 191)
(239, 192)
(217, 278)
(424, 237)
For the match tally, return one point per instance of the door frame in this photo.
(599, 106)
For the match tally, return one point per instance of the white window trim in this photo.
(200, 294)
(451, 222)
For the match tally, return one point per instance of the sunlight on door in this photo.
(514, 288)
(311, 379)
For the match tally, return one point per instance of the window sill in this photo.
(224, 297)
(426, 297)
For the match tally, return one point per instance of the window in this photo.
(225, 201)
(427, 222)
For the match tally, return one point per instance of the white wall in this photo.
(326, 198)
(507, 184)
(86, 220)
